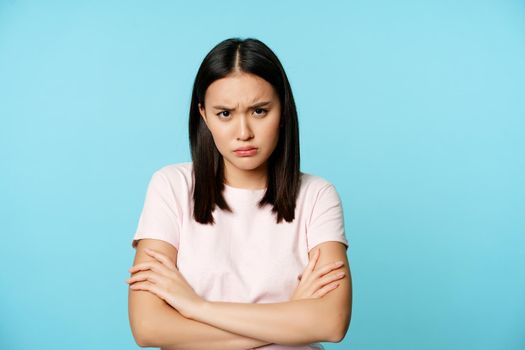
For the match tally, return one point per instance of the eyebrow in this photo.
(258, 104)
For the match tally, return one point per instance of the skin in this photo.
(244, 122)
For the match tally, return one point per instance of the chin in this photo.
(246, 163)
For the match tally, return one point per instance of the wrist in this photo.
(200, 310)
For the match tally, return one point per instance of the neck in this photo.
(250, 179)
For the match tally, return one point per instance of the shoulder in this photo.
(314, 184)
(317, 191)
(175, 173)
(175, 178)
(176, 169)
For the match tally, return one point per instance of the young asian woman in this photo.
(240, 249)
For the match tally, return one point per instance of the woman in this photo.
(238, 249)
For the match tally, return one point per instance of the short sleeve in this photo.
(326, 222)
(159, 218)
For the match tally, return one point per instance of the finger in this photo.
(323, 291)
(150, 287)
(151, 253)
(141, 286)
(160, 257)
(311, 264)
(155, 266)
(330, 278)
(144, 276)
(318, 283)
(328, 267)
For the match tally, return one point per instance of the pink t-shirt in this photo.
(246, 256)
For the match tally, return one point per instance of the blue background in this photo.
(413, 109)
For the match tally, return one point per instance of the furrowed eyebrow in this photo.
(259, 104)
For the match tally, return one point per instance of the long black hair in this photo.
(250, 56)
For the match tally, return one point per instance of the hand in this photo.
(314, 284)
(162, 278)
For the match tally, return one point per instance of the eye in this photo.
(222, 115)
(263, 111)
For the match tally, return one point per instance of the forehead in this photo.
(240, 88)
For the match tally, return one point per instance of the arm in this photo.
(154, 323)
(294, 322)
(169, 330)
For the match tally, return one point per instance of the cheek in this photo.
(221, 137)
(272, 130)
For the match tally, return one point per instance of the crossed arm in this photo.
(221, 325)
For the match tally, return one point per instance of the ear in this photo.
(202, 112)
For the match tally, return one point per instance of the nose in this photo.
(244, 131)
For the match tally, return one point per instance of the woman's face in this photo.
(242, 110)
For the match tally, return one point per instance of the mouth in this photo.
(246, 152)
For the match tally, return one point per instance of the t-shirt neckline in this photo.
(244, 190)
